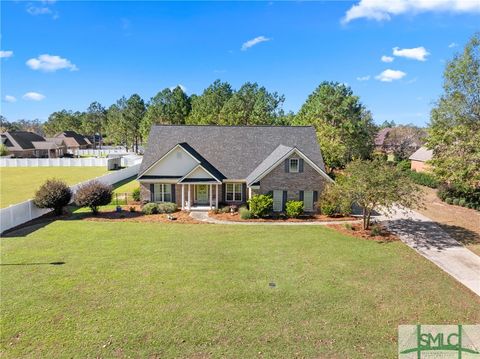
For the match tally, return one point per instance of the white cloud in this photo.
(387, 58)
(33, 96)
(9, 98)
(453, 44)
(384, 9)
(184, 89)
(50, 63)
(416, 53)
(390, 75)
(253, 42)
(363, 78)
(36, 10)
(5, 54)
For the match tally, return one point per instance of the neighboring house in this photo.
(399, 142)
(210, 165)
(419, 158)
(24, 144)
(74, 141)
(381, 144)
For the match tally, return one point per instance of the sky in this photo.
(64, 54)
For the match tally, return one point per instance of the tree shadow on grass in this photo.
(33, 264)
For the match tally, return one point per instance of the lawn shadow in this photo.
(425, 234)
(33, 264)
(27, 228)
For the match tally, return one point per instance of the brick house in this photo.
(419, 160)
(204, 166)
(25, 144)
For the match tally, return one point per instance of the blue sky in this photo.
(104, 50)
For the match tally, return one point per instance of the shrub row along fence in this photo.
(23, 212)
(67, 162)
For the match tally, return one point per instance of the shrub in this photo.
(225, 209)
(93, 195)
(245, 213)
(53, 194)
(150, 208)
(424, 179)
(442, 192)
(167, 207)
(260, 205)
(462, 202)
(294, 209)
(4, 152)
(376, 231)
(333, 202)
(348, 226)
(132, 209)
(404, 165)
(449, 200)
(456, 201)
(136, 194)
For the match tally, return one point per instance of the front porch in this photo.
(199, 196)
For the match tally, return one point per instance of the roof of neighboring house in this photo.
(422, 154)
(78, 138)
(234, 151)
(44, 145)
(22, 140)
(381, 136)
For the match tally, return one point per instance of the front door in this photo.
(201, 193)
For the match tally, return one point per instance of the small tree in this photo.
(93, 195)
(3, 150)
(53, 194)
(375, 185)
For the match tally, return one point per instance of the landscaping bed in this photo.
(375, 233)
(235, 217)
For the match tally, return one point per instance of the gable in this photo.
(177, 162)
(199, 172)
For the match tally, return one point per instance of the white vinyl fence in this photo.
(20, 213)
(67, 162)
(103, 152)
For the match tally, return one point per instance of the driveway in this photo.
(432, 242)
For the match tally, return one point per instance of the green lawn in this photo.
(17, 184)
(126, 186)
(148, 290)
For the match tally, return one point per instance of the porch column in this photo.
(216, 196)
(183, 196)
(249, 192)
(189, 197)
(211, 195)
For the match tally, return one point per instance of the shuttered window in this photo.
(234, 192)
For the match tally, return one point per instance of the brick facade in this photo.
(293, 183)
(419, 166)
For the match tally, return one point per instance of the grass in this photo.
(19, 184)
(126, 186)
(175, 290)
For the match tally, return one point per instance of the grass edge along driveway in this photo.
(177, 290)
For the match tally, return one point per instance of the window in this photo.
(234, 192)
(293, 165)
(162, 192)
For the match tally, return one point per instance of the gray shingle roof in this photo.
(235, 151)
(422, 154)
(268, 162)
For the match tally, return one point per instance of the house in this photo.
(419, 158)
(26, 144)
(204, 166)
(74, 141)
(399, 142)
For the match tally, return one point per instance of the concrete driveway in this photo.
(431, 241)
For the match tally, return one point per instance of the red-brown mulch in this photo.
(126, 216)
(235, 217)
(357, 231)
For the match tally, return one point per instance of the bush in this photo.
(294, 209)
(93, 195)
(136, 194)
(442, 192)
(449, 200)
(424, 179)
(333, 202)
(245, 213)
(53, 194)
(348, 226)
(132, 209)
(167, 207)
(462, 202)
(456, 201)
(376, 231)
(404, 165)
(225, 209)
(4, 152)
(260, 205)
(150, 208)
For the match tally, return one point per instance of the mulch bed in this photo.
(356, 230)
(126, 216)
(311, 218)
